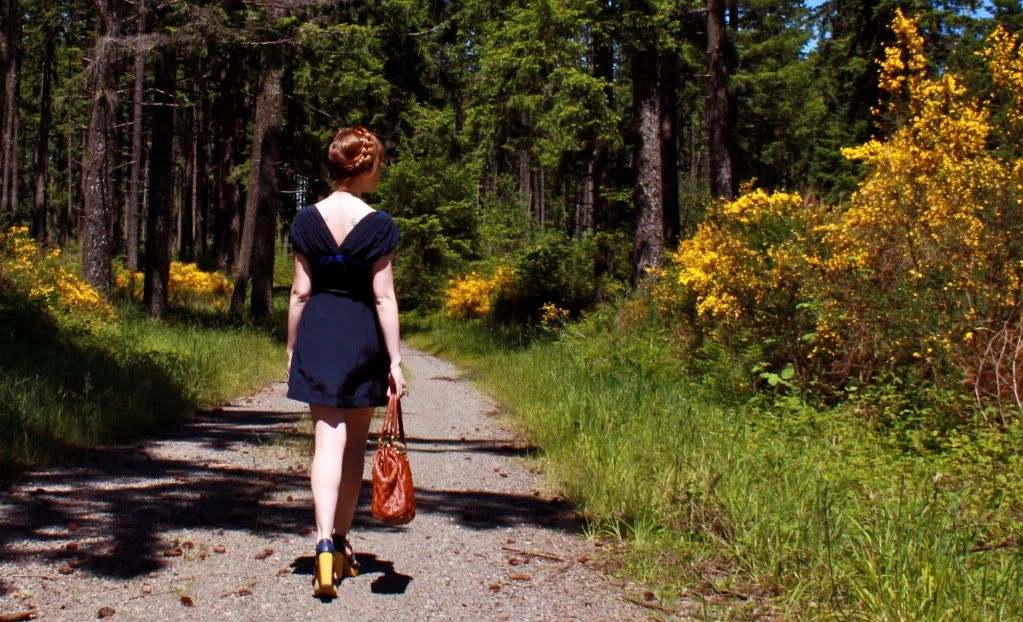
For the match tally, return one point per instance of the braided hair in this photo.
(352, 151)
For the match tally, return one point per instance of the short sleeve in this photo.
(381, 238)
(388, 239)
(297, 236)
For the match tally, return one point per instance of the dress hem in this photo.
(321, 400)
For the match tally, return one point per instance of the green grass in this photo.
(64, 388)
(810, 514)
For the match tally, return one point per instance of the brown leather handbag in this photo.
(394, 499)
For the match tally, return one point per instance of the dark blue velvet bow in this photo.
(342, 260)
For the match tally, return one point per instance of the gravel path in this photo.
(211, 522)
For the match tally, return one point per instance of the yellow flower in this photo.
(473, 294)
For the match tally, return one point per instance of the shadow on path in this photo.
(118, 502)
(390, 580)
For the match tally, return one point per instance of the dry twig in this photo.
(553, 558)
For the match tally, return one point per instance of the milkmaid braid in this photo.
(352, 151)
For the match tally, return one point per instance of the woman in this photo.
(343, 355)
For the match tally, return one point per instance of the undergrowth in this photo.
(753, 503)
(66, 386)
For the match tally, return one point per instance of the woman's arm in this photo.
(301, 287)
(387, 313)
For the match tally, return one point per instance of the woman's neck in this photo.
(355, 192)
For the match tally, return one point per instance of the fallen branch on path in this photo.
(553, 558)
(33, 576)
(17, 617)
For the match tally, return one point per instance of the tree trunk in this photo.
(588, 199)
(722, 182)
(198, 166)
(525, 180)
(97, 174)
(649, 241)
(6, 20)
(196, 183)
(226, 221)
(131, 217)
(161, 169)
(669, 147)
(117, 176)
(186, 246)
(39, 199)
(599, 214)
(12, 88)
(257, 249)
(68, 223)
(541, 198)
(204, 157)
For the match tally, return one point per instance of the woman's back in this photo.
(339, 357)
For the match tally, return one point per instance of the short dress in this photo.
(340, 358)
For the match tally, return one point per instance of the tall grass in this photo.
(63, 388)
(805, 513)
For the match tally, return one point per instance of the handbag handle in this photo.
(392, 431)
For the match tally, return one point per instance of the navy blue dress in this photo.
(340, 358)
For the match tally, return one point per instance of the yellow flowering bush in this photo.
(929, 248)
(921, 270)
(473, 294)
(41, 277)
(552, 316)
(740, 257)
(189, 287)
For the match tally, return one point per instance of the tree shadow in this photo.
(63, 389)
(119, 503)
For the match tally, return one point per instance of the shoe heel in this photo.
(323, 574)
(343, 568)
(323, 580)
(345, 564)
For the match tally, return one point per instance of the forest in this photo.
(798, 219)
(195, 130)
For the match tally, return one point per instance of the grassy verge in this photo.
(63, 388)
(749, 509)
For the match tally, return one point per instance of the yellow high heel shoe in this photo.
(323, 575)
(345, 563)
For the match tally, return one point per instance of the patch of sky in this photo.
(981, 10)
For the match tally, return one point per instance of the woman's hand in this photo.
(288, 370)
(396, 381)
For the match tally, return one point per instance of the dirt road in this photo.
(211, 522)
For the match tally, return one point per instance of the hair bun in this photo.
(352, 151)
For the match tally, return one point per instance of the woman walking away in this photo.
(343, 355)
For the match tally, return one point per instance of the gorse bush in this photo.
(44, 279)
(188, 288)
(472, 296)
(920, 276)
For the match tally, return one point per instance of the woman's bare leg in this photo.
(330, 433)
(352, 462)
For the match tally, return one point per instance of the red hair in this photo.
(352, 151)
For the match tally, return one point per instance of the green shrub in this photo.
(554, 269)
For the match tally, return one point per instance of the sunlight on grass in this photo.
(802, 512)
